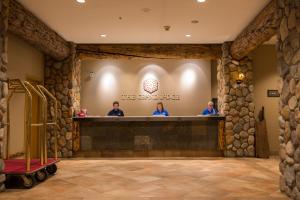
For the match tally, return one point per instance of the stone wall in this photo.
(27, 26)
(288, 53)
(156, 51)
(260, 30)
(3, 82)
(236, 103)
(62, 78)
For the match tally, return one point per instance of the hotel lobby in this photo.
(150, 99)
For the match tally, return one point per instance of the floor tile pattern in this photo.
(130, 179)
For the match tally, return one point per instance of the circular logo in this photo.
(150, 85)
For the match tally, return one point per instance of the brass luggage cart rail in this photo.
(46, 94)
(25, 87)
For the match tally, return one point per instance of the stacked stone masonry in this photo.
(288, 53)
(261, 29)
(236, 103)
(157, 51)
(27, 26)
(62, 78)
(3, 83)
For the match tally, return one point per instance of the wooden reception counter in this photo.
(150, 136)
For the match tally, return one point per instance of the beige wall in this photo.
(214, 81)
(191, 79)
(25, 62)
(266, 77)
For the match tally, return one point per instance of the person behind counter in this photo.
(116, 111)
(160, 111)
(210, 109)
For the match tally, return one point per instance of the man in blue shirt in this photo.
(116, 111)
(160, 111)
(210, 109)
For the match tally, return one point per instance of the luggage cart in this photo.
(31, 170)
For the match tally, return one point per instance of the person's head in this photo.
(116, 105)
(160, 106)
(210, 105)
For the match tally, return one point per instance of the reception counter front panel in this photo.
(150, 136)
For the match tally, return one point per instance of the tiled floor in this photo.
(212, 178)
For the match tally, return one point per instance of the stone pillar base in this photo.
(236, 103)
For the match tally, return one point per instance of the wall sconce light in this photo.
(240, 78)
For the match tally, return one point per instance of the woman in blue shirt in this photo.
(160, 111)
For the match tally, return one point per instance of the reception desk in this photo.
(182, 136)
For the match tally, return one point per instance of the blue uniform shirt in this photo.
(117, 112)
(163, 112)
(209, 112)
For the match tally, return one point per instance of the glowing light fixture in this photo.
(201, 1)
(188, 35)
(103, 35)
(240, 78)
(80, 1)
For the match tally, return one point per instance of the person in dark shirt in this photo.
(160, 111)
(116, 111)
(210, 109)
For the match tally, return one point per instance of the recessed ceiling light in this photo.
(103, 35)
(188, 35)
(201, 1)
(80, 1)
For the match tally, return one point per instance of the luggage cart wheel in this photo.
(28, 181)
(51, 169)
(41, 175)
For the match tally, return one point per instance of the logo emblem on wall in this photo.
(150, 85)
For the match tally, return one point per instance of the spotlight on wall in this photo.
(188, 78)
(108, 81)
(149, 75)
(80, 1)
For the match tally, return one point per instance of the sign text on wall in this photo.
(151, 86)
(161, 97)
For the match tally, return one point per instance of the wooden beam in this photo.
(27, 26)
(260, 30)
(159, 51)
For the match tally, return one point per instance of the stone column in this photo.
(62, 78)
(288, 53)
(3, 82)
(236, 103)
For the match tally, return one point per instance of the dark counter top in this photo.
(147, 118)
(148, 136)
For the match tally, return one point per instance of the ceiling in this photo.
(142, 21)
